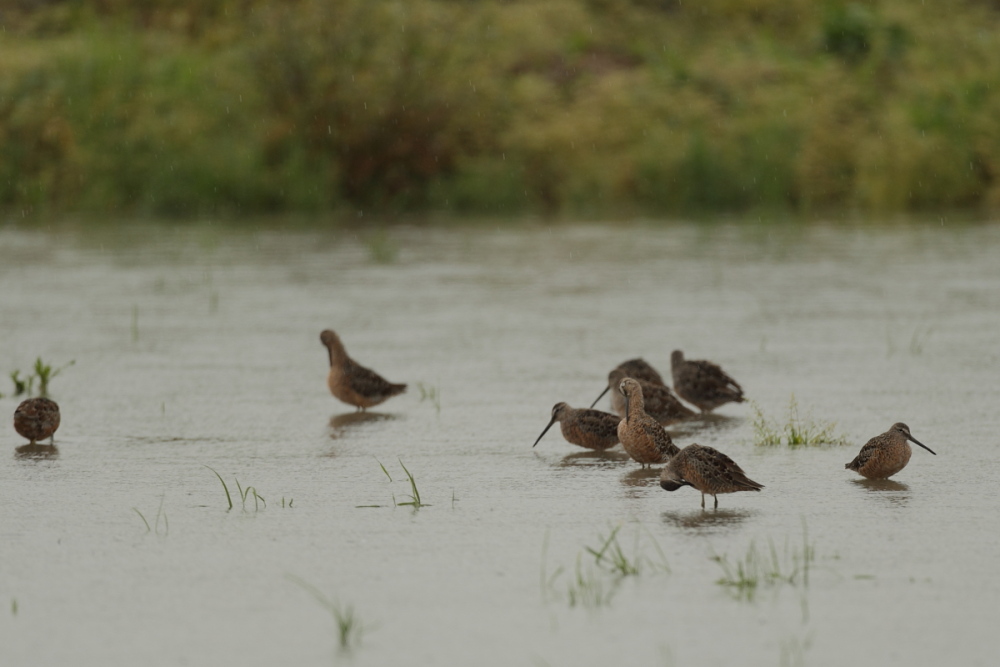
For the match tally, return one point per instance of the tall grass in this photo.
(236, 106)
(795, 431)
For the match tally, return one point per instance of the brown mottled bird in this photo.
(886, 454)
(708, 470)
(659, 402)
(642, 436)
(592, 429)
(36, 419)
(633, 368)
(703, 383)
(353, 383)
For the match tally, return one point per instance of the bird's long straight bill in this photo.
(914, 440)
(553, 421)
(626, 407)
(599, 397)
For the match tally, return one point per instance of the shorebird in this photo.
(353, 383)
(37, 419)
(592, 429)
(703, 383)
(886, 454)
(708, 470)
(643, 437)
(658, 401)
(633, 368)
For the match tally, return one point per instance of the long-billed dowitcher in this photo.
(634, 368)
(592, 429)
(708, 470)
(886, 454)
(353, 383)
(36, 418)
(659, 402)
(703, 383)
(643, 437)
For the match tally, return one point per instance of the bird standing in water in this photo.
(633, 368)
(703, 383)
(643, 437)
(36, 419)
(351, 382)
(886, 454)
(592, 429)
(658, 401)
(708, 470)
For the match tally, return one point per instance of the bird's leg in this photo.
(703, 501)
(716, 502)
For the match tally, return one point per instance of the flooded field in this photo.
(199, 347)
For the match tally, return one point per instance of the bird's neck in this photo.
(636, 406)
(337, 354)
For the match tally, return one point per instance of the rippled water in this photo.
(198, 346)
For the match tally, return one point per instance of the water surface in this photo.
(198, 346)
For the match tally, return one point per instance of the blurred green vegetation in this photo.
(183, 107)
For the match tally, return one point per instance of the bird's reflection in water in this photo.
(36, 451)
(895, 493)
(708, 520)
(704, 422)
(348, 420)
(592, 457)
(641, 477)
(639, 480)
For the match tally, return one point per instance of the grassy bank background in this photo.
(220, 107)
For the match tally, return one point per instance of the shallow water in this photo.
(198, 346)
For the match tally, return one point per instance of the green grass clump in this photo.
(588, 588)
(42, 372)
(796, 431)
(414, 495)
(45, 374)
(758, 567)
(610, 555)
(243, 493)
(350, 628)
(593, 584)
